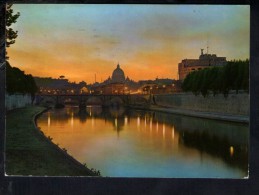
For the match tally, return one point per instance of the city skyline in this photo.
(81, 41)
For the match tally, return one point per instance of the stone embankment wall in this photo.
(17, 101)
(234, 104)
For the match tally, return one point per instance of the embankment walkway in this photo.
(208, 115)
(29, 152)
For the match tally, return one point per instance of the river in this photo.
(123, 142)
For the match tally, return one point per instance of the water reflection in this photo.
(173, 132)
(72, 119)
(48, 119)
(169, 145)
(217, 146)
(93, 110)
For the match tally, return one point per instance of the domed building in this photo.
(116, 84)
(118, 75)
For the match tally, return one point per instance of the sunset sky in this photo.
(79, 41)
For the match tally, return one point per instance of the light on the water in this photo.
(138, 121)
(126, 120)
(116, 123)
(163, 130)
(173, 132)
(72, 119)
(150, 124)
(231, 150)
(48, 119)
(92, 121)
(160, 147)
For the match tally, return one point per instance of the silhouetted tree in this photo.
(245, 80)
(16, 80)
(11, 18)
(233, 76)
(216, 79)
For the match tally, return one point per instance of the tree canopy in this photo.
(233, 76)
(11, 18)
(16, 80)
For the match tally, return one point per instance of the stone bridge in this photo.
(92, 99)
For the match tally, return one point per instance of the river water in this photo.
(124, 142)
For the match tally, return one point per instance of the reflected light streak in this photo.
(92, 121)
(72, 119)
(48, 120)
(173, 132)
(145, 122)
(231, 150)
(126, 120)
(67, 111)
(138, 122)
(157, 126)
(164, 131)
(150, 124)
(116, 123)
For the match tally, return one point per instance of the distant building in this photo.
(204, 61)
(59, 86)
(118, 75)
(117, 84)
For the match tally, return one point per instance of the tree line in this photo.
(18, 82)
(233, 76)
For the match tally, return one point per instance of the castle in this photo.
(204, 61)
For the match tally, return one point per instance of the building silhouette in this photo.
(48, 85)
(204, 61)
(117, 84)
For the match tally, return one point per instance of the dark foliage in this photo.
(18, 82)
(11, 18)
(233, 76)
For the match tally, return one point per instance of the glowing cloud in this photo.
(79, 41)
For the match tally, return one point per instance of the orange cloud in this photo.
(148, 42)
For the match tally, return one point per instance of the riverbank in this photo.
(208, 115)
(199, 114)
(29, 152)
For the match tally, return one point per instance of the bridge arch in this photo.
(116, 101)
(105, 100)
(94, 101)
(140, 99)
